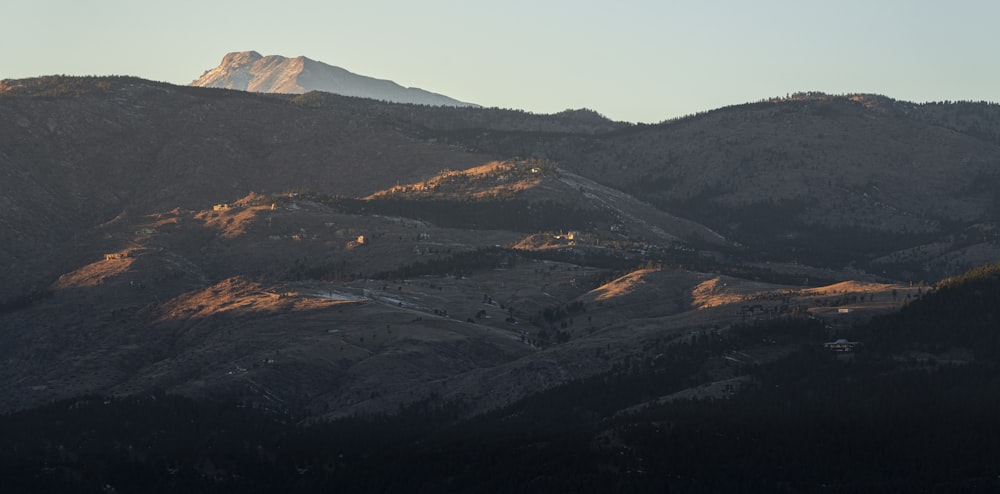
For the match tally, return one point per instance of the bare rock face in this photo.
(251, 71)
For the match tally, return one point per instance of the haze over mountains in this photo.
(317, 256)
(251, 71)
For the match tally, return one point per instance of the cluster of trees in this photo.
(22, 301)
(64, 86)
(961, 312)
(332, 271)
(764, 228)
(438, 121)
(979, 119)
(459, 264)
(491, 213)
(514, 214)
(554, 323)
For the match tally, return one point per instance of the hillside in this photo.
(833, 180)
(318, 256)
(85, 152)
(250, 71)
(780, 413)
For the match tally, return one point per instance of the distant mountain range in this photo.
(251, 71)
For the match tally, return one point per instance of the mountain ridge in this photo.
(599, 306)
(262, 234)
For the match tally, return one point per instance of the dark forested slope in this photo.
(915, 411)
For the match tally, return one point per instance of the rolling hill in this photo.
(318, 256)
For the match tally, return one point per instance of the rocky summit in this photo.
(251, 71)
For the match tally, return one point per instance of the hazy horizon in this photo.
(639, 62)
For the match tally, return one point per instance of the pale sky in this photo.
(639, 61)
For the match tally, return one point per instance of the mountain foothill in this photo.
(256, 244)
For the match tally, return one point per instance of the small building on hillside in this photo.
(115, 256)
(842, 346)
(220, 207)
(361, 241)
(567, 237)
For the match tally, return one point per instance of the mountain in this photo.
(209, 288)
(319, 256)
(250, 71)
(858, 180)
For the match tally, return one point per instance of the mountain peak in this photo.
(251, 71)
(241, 57)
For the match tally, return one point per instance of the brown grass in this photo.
(233, 222)
(443, 185)
(849, 287)
(94, 274)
